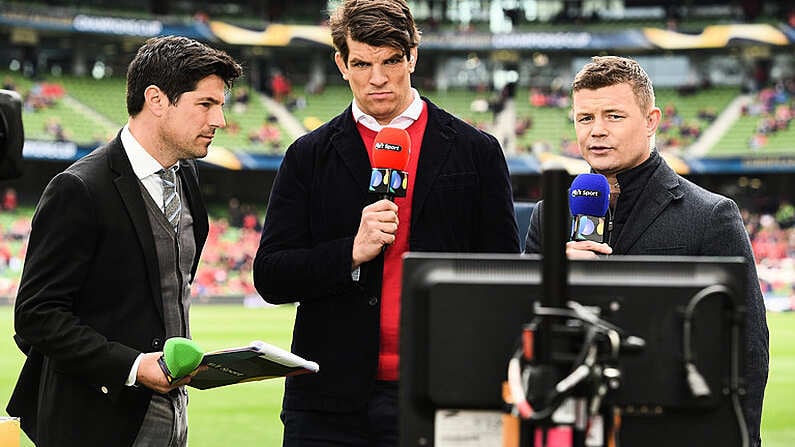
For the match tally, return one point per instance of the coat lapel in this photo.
(348, 144)
(436, 146)
(661, 189)
(130, 192)
(187, 172)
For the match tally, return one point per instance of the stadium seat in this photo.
(523, 211)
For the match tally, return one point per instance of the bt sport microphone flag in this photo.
(589, 199)
(391, 151)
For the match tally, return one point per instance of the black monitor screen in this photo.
(462, 314)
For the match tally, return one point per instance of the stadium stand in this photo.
(51, 114)
(90, 111)
(225, 270)
(323, 105)
(245, 123)
(104, 96)
(765, 124)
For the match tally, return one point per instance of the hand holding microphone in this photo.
(162, 372)
(589, 200)
(388, 179)
(376, 230)
(181, 356)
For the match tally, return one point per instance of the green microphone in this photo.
(180, 357)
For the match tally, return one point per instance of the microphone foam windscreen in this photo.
(391, 149)
(182, 356)
(589, 195)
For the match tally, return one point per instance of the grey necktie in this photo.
(171, 202)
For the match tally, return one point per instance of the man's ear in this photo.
(653, 120)
(155, 100)
(412, 59)
(341, 65)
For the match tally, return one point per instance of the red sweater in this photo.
(388, 355)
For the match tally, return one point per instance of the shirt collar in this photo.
(402, 121)
(142, 162)
(637, 177)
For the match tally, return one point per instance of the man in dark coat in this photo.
(114, 246)
(654, 211)
(336, 248)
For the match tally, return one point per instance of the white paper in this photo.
(468, 428)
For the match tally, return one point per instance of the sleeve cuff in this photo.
(133, 371)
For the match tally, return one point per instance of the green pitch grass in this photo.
(248, 414)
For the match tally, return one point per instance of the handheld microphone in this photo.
(180, 357)
(390, 156)
(589, 198)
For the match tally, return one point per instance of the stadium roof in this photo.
(281, 35)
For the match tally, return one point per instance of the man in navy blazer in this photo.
(96, 301)
(653, 210)
(335, 248)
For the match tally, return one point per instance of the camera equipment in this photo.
(462, 314)
(12, 136)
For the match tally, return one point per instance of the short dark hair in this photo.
(604, 71)
(377, 23)
(175, 64)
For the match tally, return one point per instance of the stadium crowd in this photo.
(539, 106)
(225, 269)
(775, 107)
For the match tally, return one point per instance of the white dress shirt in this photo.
(402, 121)
(144, 166)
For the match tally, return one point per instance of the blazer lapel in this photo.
(436, 147)
(348, 144)
(127, 185)
(649, 205)
(187, 172)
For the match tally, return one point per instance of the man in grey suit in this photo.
(653, 210)
(114, 246)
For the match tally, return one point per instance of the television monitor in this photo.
(462, 314)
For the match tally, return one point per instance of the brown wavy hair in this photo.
(377, 23)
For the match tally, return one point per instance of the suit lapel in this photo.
(436, 147)
(130, 192)
(660, 190)
(348, 144)
(197, 208)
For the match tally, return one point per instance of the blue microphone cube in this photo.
(380, 180)
(388, 182)
(588, 228)
(398, 183)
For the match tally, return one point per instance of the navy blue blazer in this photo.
(462, 203)
(677, 217)
(89, 302)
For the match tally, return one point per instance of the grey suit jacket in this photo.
(676, 217)
(89, 302)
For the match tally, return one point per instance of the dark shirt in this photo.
(632, 184)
